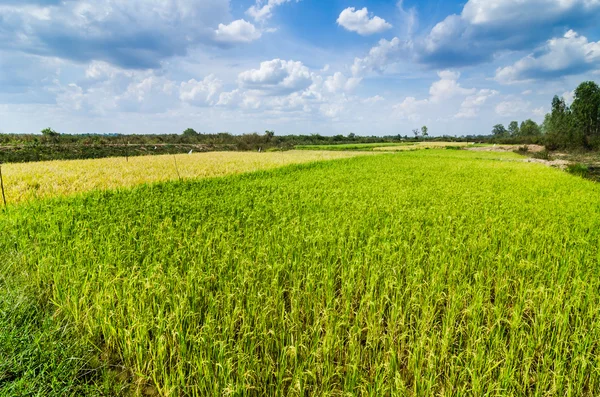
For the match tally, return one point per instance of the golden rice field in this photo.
(28, 181)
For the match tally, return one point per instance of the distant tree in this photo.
(50, 133)
(416, 132)
(190, 132)
(269, 135)
(351, 136)
(586, 112)
(558, 126)
(499, 130)
(513, 128)
(424, 130)
(529, 128)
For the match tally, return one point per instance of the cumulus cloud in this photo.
(263, 9)
(339, 82)
(276, 77)
(361, 22)
(486, 27)
(410, 108)
(379, 57)
(134, 34)
(513, 107)
(201, 93)
(447, 87)
(568, 55)
(239, 31)
(440, 93)
(470, 107)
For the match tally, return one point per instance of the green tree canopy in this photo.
(499, 130)
(513, 128)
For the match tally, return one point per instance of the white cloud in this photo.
(360, 22)
(277, 77)
(486, 27)
(239, 31)
(379, 57)
(338, 82)
(527, 92)
(331, 110)
(470, 107)
(410, 108)
(447, 87)
(201, 93)
(539, 112)
(569, 55)
(135, 34)
(513, 107)
(263, 9)
(568, 97)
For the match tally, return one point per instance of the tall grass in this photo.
(422, 273)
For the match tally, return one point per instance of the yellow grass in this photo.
(27, 181)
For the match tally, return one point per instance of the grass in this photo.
(423, 273)
(386, 147)
(354, 146)
(30, 181)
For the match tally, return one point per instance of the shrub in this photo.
(578, 169)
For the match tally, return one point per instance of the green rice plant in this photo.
(419, 273)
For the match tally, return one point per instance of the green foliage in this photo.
(577, 126)
(529, 128)
(49, 132)
(499, 130)
(424, 130)
(190, 132)
(586, 111)
(513, 128)
(425, 273)
(543, 155)
(578, 169)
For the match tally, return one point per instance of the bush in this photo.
(543, 155)
(578, 169)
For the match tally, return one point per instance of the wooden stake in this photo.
(2, 186)
(176, 168)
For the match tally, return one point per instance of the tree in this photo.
(513, 128)
(530, 128)
(424, 130)
(558, 126)
(190, 132)
(50, 133)
(416, 132)
(586, 112)
(351, 136)
(499, 130)
(269, 135)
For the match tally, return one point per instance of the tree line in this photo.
(566, 127)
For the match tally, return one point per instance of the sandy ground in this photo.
(506, 148)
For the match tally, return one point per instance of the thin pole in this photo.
(176, 168)
(2, 186)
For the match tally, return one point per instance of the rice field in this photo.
(29, 181)
(423, 273)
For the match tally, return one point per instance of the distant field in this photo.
(389, 147)
(357, 146)
(424, 273)
(27, 181)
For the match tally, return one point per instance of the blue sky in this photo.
(293, 66)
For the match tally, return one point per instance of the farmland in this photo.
(430, 272)
(30, 181)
